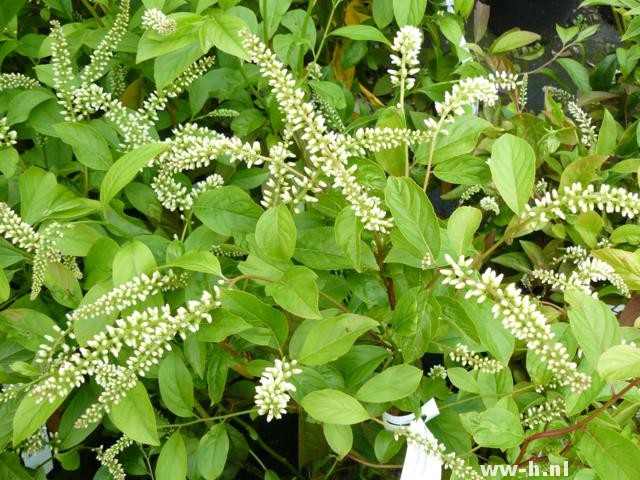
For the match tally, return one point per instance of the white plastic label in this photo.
(417, 464)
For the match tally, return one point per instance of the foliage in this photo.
(235, 233)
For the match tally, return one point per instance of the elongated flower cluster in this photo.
(585, 124)
(543, 413)
(467, 358)
(589, 270)
(578, 199)
(467, 91)
(46, 252)
(328, 151)
(406, 45)
(504, 80)
(459, 468)
(157, 101)
(520, 315)
(158, 22)
(469, 193)
(588, 135)
(43, 245)
(109, 459)
(272, 394)
(7, 136)
(195, 147)
(136, 290)
(147, 334)
(61, 66)
(489, 204)
(104, 52)
(17, 80)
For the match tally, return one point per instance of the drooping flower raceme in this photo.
(406, 45)
(104, 52)
(43, 245)
(543, 413)
(520, 315)
(146, 333)
(109, 459)
(328, 151)
(17, 80)
(158, 22)
(471, 359)
(578, 199)
(272, 394)
(489, 204)
(588, 270)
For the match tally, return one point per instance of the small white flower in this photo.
(406, 44)
(158, 22)
(272, 394)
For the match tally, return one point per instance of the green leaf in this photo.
(172, 461)
(463, 223)
(334, 406)
(331, 338)
(37, 189)
(11, 467)
(607, 136)
(339, 438)
(386, 446)
(125, 169)
(131, 260)
(272, 12)
(134, 416)
(217, 372)
(409, 12)
(593, 324)
(619, 363)
(612, 455)
(494, 428)
(296, 292)
(197, 261)
(257, 313)
(392, 160)
(227, 210)
(512, 40)
(413, 214)
(361, 32)
(348, 230)
(223, 32)
(31, 415)
(176, 385)
(394, 383)
(577, 72)
(276, 233)
(463, 380)
(5, 289)
(211, 455)
(88, 144)
(513, 166)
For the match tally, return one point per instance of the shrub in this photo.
(241, 237)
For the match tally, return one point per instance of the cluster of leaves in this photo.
(366, 314)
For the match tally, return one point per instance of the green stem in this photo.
(208, 419)
(325, 34)
(432, 150)
(305, 22)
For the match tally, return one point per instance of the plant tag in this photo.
(418, 465)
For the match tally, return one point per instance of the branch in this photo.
(583, 423)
